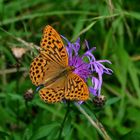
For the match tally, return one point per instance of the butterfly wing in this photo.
(53, 92)
(52, 59)
(76, 89)
(53, 47)
(42, 70)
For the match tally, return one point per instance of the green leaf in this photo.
(85, 29)
(44, 131)
(135, 15)
(132, 135)
(134, 77)
(3, 135)
(78, 27)
(112, 100)
(27, 134)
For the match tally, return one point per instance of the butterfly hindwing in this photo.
(76, 89)
(54, 92)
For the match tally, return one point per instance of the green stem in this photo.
(62, 125)
(17, 91)
(99, 127)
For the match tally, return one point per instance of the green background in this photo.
(110, 25)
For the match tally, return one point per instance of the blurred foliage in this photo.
(110, 25)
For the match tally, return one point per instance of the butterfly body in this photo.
(65, 72)
(51, 69)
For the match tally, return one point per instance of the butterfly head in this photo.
(70, 68)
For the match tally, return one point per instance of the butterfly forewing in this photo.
(37, 70)
(76, 89)
(42, 70)
(51, 60)
(53, 47)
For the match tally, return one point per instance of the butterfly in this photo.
(51, 69)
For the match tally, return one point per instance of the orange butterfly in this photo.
(51, 69)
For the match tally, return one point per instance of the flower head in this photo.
(87, 69)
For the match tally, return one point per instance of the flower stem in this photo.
(95, 123)
(17, 90)
(62, 125)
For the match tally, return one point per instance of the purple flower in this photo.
(86, 69)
